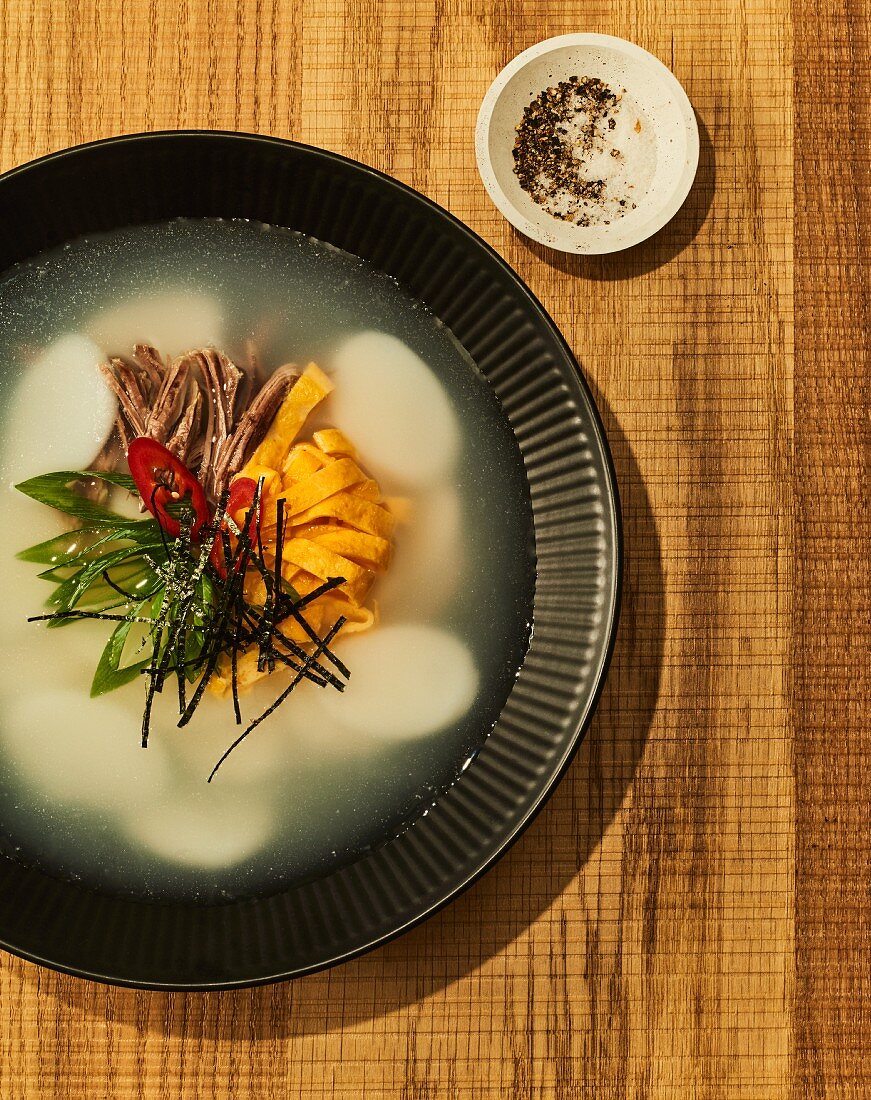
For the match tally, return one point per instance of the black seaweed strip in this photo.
(328, 653)
(127, 595)
(154, 684)
(309, 675)
(75, 614)
(160, 665)
(236, 580)
(321, 647)
(317, 673)
(279, 562)
(234, 669)
(327, 586)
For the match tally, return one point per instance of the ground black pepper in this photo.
(561, 126)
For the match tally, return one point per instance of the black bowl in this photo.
(152, 177)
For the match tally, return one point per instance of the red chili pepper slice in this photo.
(242, 493)
(162, 481)
(241, 498)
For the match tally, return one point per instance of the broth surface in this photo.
(325, 777)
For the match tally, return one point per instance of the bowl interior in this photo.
(575, 513)
(657, 100)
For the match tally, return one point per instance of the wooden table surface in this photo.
(690, 917)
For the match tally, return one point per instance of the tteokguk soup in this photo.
(268, 559)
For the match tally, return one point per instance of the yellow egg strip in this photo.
(333, 442)
(323, 613)
(368, 489)
(308, 392)
(336, 523)
(354, 510)
(357, 619)
(324, 563)
(356, 545)
(301, 463)
(331, 479)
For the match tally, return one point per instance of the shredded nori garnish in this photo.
(320, 648)
(129, 596)
(225, 623)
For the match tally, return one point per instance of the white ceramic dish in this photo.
(656, 95)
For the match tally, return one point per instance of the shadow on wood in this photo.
(499, 907)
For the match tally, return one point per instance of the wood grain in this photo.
(832, 584)
(689, 917)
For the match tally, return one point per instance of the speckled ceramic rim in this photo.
(550, 231)
(576, 516)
